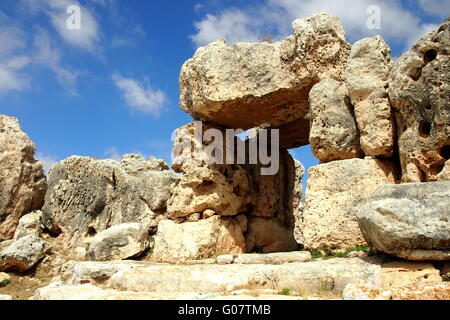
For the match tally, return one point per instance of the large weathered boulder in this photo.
(87, 196)
(220, 187)
(23, 254)
(411, 221)
(269, 235)
(334, 134)
(178, 243)
(335, 191)
(366, 77)
(228, 189)
(419, 88)
(248, 84)
(22, 181)
(119, 242)
(29, 224)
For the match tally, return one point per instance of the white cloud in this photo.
(86, 38)
(140, 96)
(440, 8)
(113, 153)
(47, 161)
(12, 60)
(275, 16)
(50, 57)
(233, 25)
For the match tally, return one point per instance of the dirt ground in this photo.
(23, 286)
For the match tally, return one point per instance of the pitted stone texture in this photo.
(228, 189)
(87, 196)
(119, 242)
(334, 134)
(23, 254)
(177, 243)
(411, 221)
(366, 77)
(368, 68)
(22, 181)
(419, 88)
(269, 235)
(415, 291)
(248, 84)
(29, 224)
(298, 202)
(335, 191)
(398, 273)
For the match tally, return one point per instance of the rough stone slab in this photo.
(22, 180)
(268, 258)
(416, 291)
(411, 221)
(335, 190)
(334, 134)
(23, 254)
(178, 243)
(307, 277)
(95, 272)
(29, 224)
(247, 84)
(119, 242)
(89, 292)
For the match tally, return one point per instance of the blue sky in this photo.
(112, 87)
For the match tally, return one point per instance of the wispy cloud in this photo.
(234, 25)
(87, 37)
(440, 8)
(47, 161)
(113, 153)
(12, 59)
(50, 56)
(275, 16)
(140, 96)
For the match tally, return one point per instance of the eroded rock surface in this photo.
(334, 134)
(298, 204)
(22, 181)
(248, 84)
(29, 224)
(366, 77)
(119, 242)
(23, 254)
(419, 87)
(87, 196)
(331, 275)
(178, 243)
(416, 291)
(410, 221)
(269, 235)
(335, 191)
